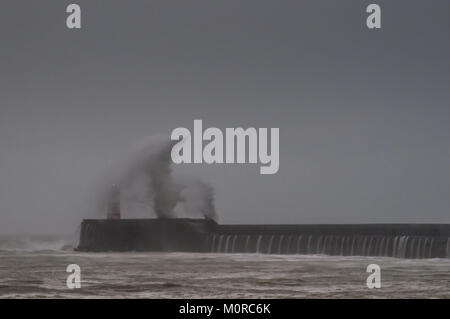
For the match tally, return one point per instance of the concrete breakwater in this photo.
(202, 235)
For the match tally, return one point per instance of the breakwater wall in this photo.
(200, 235)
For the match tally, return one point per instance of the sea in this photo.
(37, 267)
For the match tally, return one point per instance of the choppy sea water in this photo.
(39, 271)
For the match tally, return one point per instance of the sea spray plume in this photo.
(197, 198)
(148, 175)
(145, 177)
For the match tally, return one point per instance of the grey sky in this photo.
(363, 115)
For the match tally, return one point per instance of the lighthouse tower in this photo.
(113, 210)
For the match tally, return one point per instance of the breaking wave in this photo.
(35, 243)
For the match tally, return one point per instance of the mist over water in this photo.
(364, 139)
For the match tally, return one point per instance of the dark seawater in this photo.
(31, 268)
